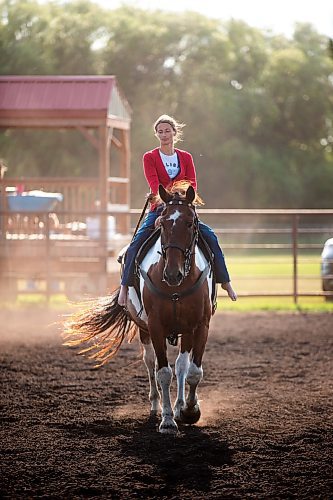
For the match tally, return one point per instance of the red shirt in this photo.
(156, 174)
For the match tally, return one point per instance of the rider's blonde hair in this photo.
(180, 187)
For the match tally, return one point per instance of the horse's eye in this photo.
(189, 224)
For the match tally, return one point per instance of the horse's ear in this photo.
(164, 195)
(190, 194)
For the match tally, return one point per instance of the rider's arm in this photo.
(150, 172)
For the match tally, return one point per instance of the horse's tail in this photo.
(100, 327)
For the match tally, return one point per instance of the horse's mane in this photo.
(179, 188)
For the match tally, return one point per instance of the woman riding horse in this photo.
(175, 298)
(164, 165)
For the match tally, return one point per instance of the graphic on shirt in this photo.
(170, 164)
(170, 168)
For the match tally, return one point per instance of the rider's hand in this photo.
(232, 294)
(150, 196)
(158, 221)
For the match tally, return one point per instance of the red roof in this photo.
(65, 95)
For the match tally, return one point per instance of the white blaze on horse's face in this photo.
(174, 216)
(177, 236)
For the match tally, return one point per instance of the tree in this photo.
(258, 107)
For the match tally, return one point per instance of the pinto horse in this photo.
(173, 299)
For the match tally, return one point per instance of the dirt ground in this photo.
(70, 431)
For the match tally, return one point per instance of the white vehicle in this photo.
(327, 267)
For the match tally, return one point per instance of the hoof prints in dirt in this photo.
(71, 432)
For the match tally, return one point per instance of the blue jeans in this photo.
(146, 229)
(220, 268)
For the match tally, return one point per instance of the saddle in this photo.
(142, 252)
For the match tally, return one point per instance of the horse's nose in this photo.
(173, 278)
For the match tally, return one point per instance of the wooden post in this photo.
(295, 252)
(125, 224)
(3, 224)
(48, 257)
(104, 169)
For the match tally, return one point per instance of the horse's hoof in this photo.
(190, 416)
(153, 417)
(153, 420)
(178, 418)
(178, 414)
(155, 408)
(168, 426)
(168, 430)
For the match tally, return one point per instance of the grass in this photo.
(270, 273)
(273, 273)
(282, 304)
(273, 264)
(243, 304)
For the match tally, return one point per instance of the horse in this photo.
(174, 298)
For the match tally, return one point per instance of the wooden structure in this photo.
(94, 106)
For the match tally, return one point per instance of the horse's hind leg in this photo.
(181, 369)
(150, 362)
(191, 412)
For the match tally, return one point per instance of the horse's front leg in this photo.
(181, 369)
(168, 424)
(191, 412)
(150, 362)
(164, 378)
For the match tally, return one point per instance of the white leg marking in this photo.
(164, 378)
(149, 359)
(193, 378)
(181, 368)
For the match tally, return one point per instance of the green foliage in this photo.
(258, 107)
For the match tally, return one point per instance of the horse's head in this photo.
(179, 230)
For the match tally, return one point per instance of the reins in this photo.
(123, 252)
(148, 199)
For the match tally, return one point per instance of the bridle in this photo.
(188, 251)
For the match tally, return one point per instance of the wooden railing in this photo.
(290, 233)
(79, 195)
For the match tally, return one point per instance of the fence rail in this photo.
(297, 231)
(246, 236)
